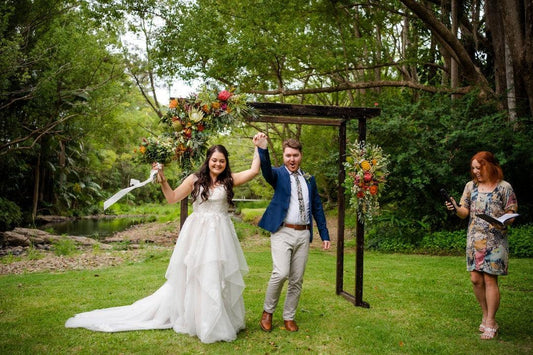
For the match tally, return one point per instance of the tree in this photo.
(62, 80)
(300, 48)
(509, 24)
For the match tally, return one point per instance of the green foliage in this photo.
(63, 86)
(251, 215)
(122, 245)
(389, 232)
(244, 230)
(10, 214)
(399, 236)
(161, 212)
(521, 241)
(444, 243)
(430, 144)
(64, 246)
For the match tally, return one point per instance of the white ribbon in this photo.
(133, 185)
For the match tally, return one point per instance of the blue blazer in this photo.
(279, 179)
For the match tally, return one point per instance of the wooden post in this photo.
(341, 211)
(360, 242)
(184, 210)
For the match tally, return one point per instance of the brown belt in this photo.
(298, 227)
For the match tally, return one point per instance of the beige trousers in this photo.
(290, 249)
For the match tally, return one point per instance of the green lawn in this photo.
(419, 305)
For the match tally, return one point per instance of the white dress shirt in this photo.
(293, 213)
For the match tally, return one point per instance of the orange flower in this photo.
(373, 189)
(205, 108)
(365, 165)
(173, 103)
(142, 149)
(215, 105)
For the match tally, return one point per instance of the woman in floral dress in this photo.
(487, 250)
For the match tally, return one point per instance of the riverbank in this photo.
(36, 253)
(134, 244)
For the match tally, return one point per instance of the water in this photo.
(91, 227)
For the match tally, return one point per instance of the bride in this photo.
(203, 293)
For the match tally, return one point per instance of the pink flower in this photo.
(224, 95)
(367, 176)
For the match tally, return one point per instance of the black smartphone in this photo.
(446, 197)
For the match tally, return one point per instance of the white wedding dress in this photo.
(203, 293)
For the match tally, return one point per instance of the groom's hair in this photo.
(292, 143)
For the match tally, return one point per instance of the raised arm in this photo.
(244, 176)
(180, 192)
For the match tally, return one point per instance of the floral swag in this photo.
(366, 172)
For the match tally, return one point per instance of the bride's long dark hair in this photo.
(202, 185)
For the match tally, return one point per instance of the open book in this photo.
(500, 221)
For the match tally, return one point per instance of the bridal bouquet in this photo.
(366, 172)
(161, 150)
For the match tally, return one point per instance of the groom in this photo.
(289, 219)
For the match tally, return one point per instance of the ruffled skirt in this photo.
(202, 295)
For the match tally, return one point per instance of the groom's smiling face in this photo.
(292, 159)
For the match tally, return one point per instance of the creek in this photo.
(98, 228)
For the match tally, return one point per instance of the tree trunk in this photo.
(36, 184)
(454, 69)
(496, 37)
(511, 92)
(518, 24)
(452, 44)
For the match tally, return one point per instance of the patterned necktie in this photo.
(301, 205)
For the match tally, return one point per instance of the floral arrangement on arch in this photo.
(191, 121)
(366, 173)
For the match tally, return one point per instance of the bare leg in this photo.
(492, 297)
(478, 284)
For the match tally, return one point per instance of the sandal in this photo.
(489, 333)
(482, 328)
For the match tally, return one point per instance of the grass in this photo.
(419, 305)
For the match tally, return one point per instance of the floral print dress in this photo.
(487, 249)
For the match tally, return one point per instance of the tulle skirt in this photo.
(202, 295)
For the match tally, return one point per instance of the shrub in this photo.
(521, 241)
(386, 238)
(10, 214)
(64, 246)
(444, 243)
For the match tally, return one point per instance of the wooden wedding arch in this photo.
(338, 117)
(326, 116)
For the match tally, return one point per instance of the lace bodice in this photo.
(216, 203)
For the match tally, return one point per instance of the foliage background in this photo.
(76, 101)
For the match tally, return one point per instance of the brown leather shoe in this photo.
(291, 326)
(266, 321)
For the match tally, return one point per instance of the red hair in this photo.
(490, 167)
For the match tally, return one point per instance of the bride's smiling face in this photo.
(217, 163)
